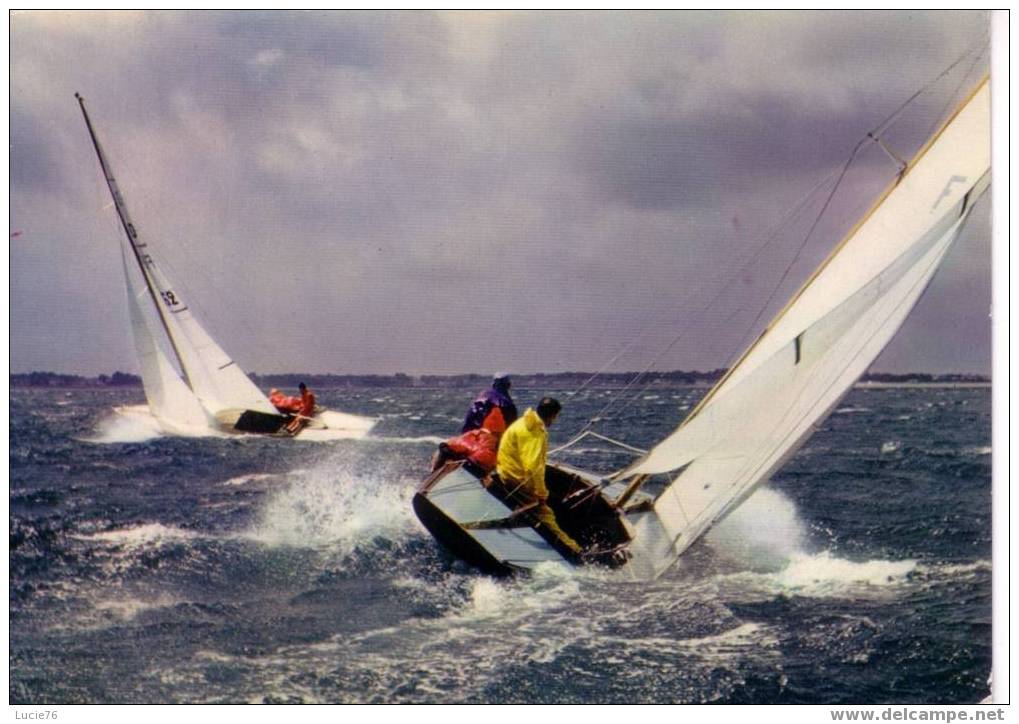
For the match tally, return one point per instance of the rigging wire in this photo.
(881, 127)
(951, 102)
(872, 136)
(765, 240)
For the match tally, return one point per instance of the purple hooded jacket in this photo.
(495, 396)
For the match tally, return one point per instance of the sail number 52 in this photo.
(170, 299)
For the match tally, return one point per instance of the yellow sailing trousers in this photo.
(546, 517)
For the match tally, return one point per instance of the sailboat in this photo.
(760, 412)
(192, 385)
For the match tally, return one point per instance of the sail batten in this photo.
(824, 339)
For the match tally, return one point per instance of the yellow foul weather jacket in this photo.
(522, 452)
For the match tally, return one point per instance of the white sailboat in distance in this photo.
(191, 385)
(757, 416)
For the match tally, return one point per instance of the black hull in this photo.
(456, 540)
(261, 422)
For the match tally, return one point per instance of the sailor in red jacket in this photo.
(307, 401)
(283, 403)
(306, 410)
(478, 446)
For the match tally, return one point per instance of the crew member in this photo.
(521, 462)
(285, 404)
(497, 396)
(476, 446)
(304, 412)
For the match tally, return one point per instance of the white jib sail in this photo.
(213, 377)
(833, 329)
(170, 400)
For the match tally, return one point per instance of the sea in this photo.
(153, 569)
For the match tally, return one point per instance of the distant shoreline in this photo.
(868, 385)
(560, 380)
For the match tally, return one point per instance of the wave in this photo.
(338, 506)
(140, 536)
(768, 540)
(822, 574)
(765, 531)
(413, 440)
(554, 618)
(126, 424)
(252, 478)
(954, 571)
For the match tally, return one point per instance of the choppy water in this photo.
(155, 569)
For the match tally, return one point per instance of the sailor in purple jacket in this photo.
(495, 396)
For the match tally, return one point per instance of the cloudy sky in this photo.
(362, 192)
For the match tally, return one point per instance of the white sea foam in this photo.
(432, 439)
(139, 536)
(105, 612)
(127, 424)
(126, 608)
(823, 575)
(767, 536)
(254, 478)
(955, 571)
(765, 531)
(332, 505)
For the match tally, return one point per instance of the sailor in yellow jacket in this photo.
(521, 461)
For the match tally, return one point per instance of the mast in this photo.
(132, 238)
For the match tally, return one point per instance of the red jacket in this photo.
(479, 446)
(307, 403)
(286, 405)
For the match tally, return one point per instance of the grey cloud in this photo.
(35, 163)
(395, 171)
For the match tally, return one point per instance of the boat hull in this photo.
(330, 424)
(491, 526)
(457, 540)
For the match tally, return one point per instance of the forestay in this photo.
(754, 419)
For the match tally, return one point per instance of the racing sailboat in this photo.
(191, 384)
(767, 404)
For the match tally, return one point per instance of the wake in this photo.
(127, 424)
(135, 423)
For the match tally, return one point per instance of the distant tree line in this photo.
(556, 380)
(55, 379)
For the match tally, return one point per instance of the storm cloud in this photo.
(378, 192)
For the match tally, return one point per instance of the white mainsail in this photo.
(788, 381)
(188, 378)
